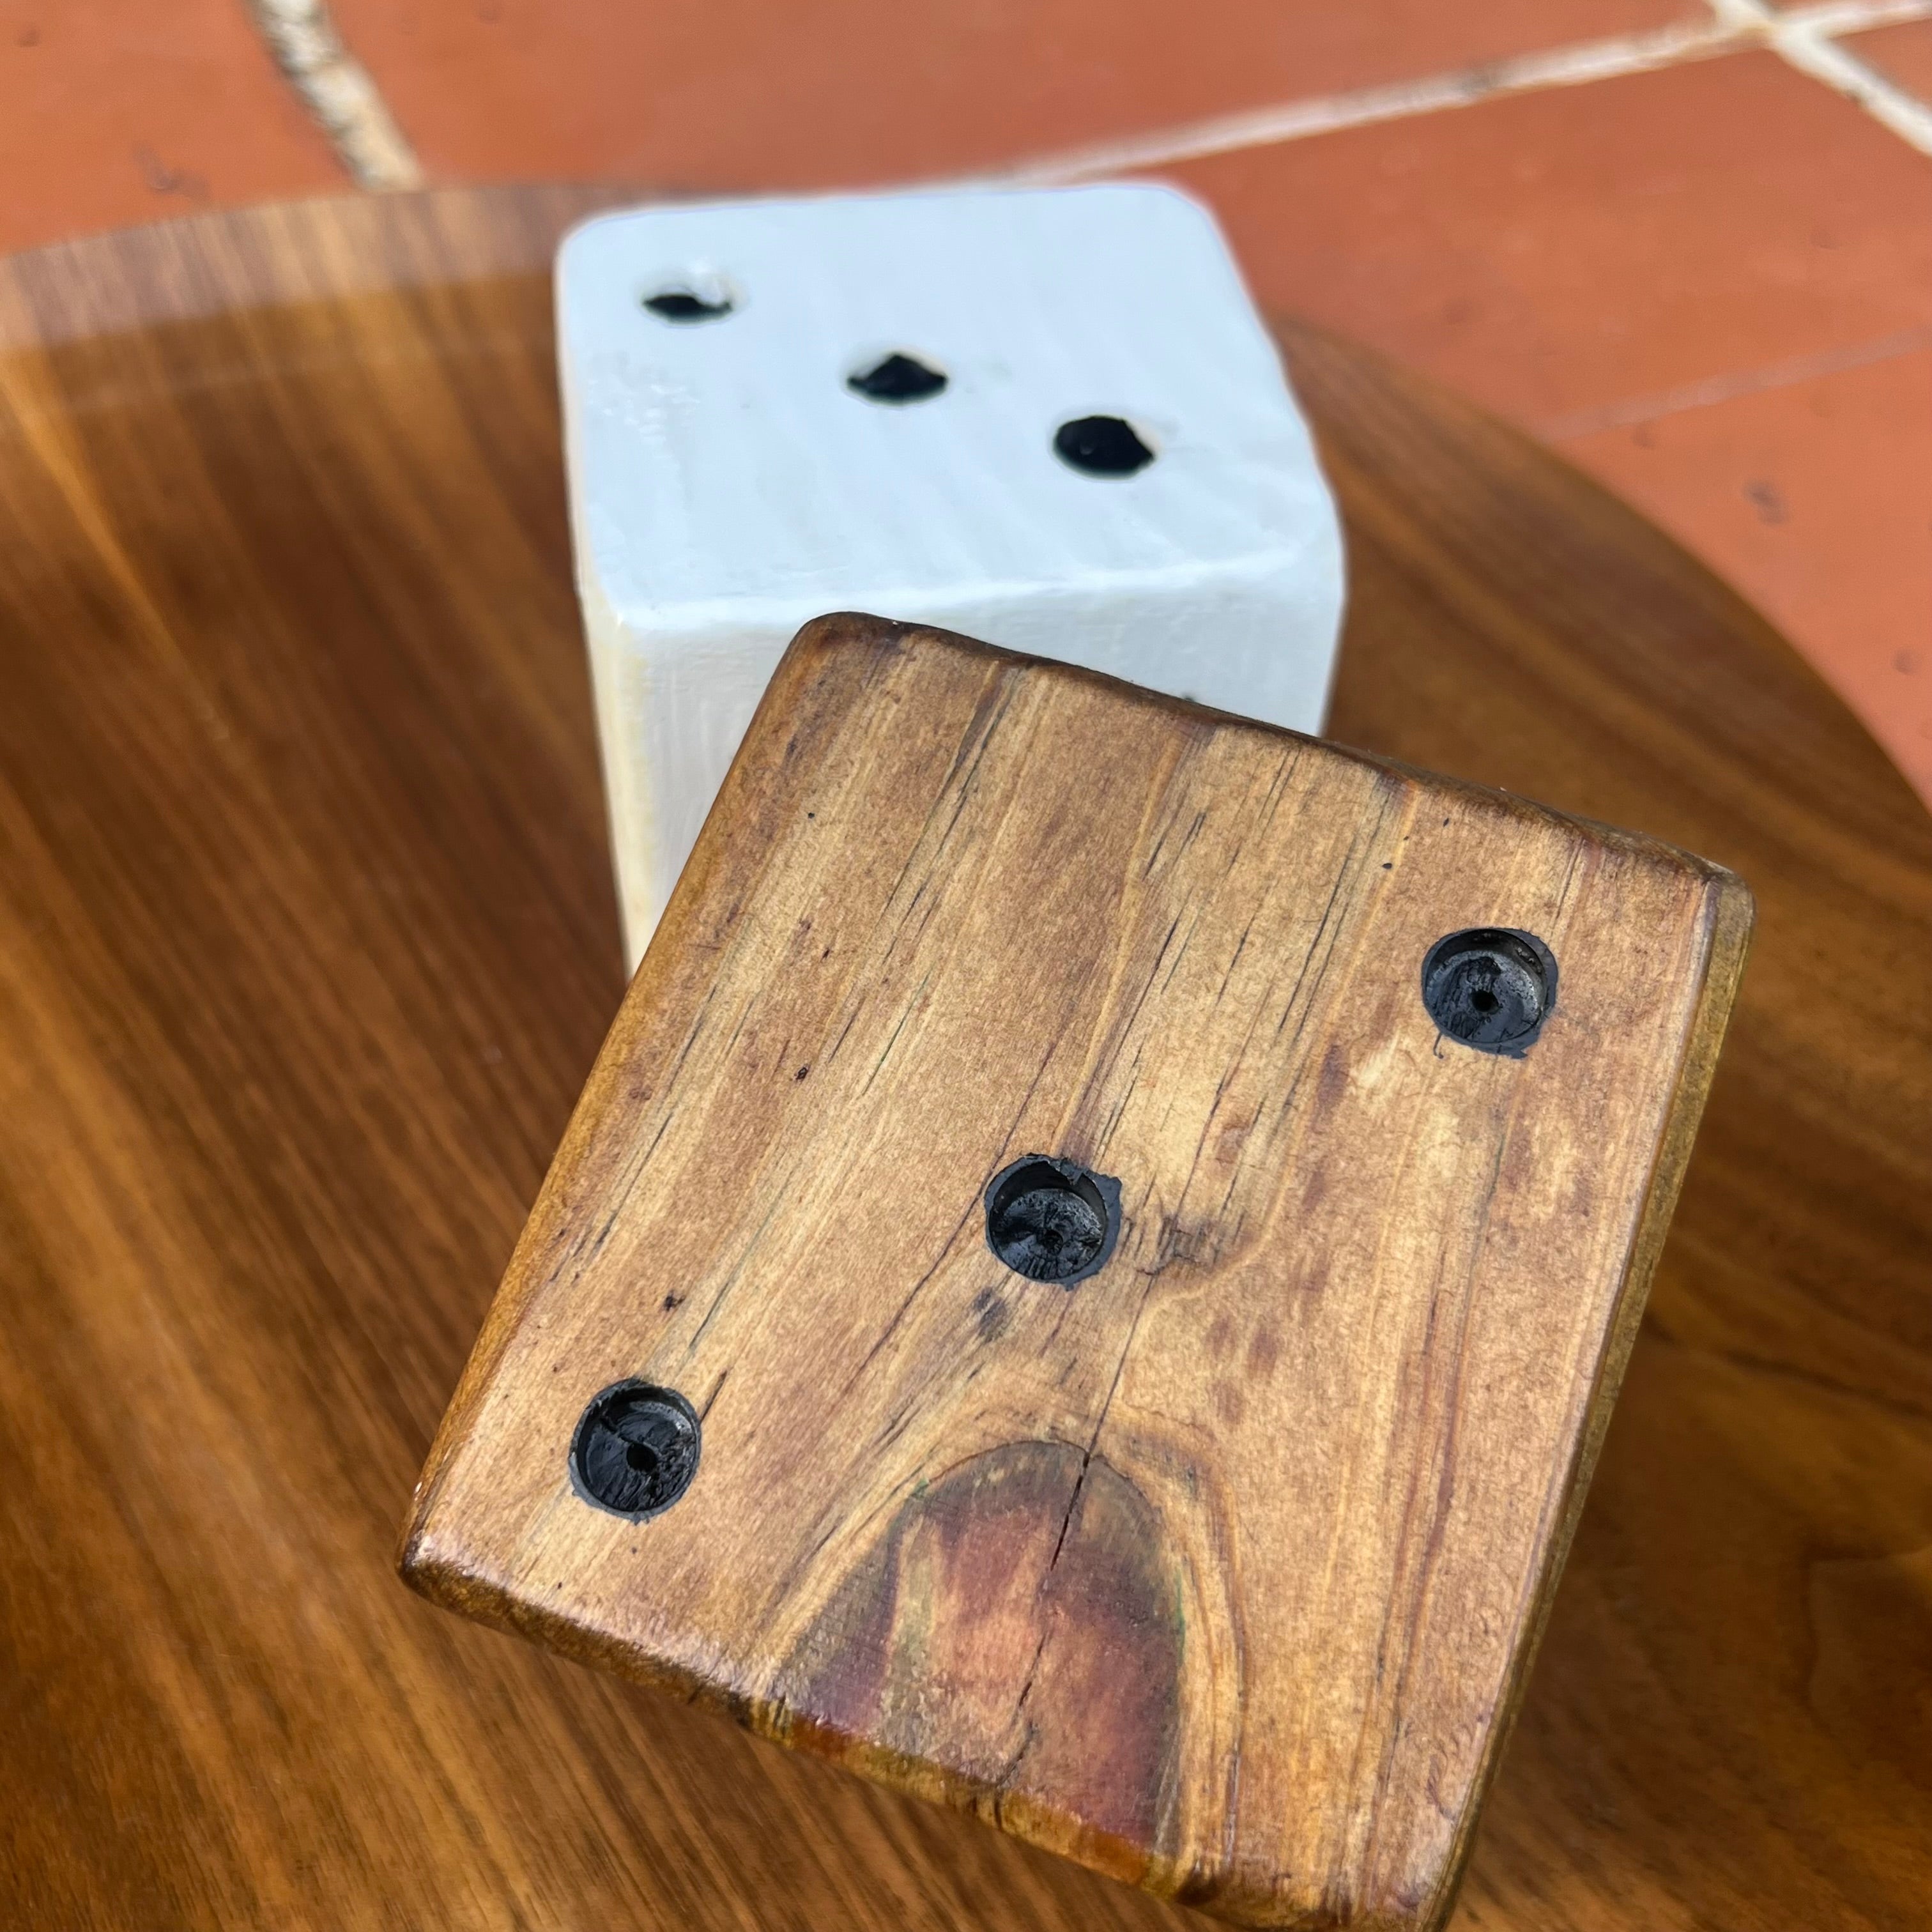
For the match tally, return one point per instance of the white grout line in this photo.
(1805, 40)
(1324, 114)
(1845, 16)
(1635, 410)
(337, 90)
(1800, 36)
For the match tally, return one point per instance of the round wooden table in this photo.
(307, 940)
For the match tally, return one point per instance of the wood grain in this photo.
(1218, 1570)
(306, 943)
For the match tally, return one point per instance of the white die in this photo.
(731, 478)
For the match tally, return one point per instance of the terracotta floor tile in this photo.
(1557, 252)
(720, 95)
(113, 112)
(1816, 500)
(1903, 54)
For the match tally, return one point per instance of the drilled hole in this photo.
(635, 1450)
(1051, 1219)
(1490, 988)
(702, 298)
(897, 378)
(1102, 446)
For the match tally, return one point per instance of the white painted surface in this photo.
(726, 486)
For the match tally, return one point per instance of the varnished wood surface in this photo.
(307, 940)
(1218, 1569)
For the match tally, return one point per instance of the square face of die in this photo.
(882, 401)
(1082, 1277)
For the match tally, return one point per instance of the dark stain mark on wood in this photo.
(991, 1315)
(1018, 1627)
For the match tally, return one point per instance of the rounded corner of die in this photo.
(1168, 200)
(585, 235)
